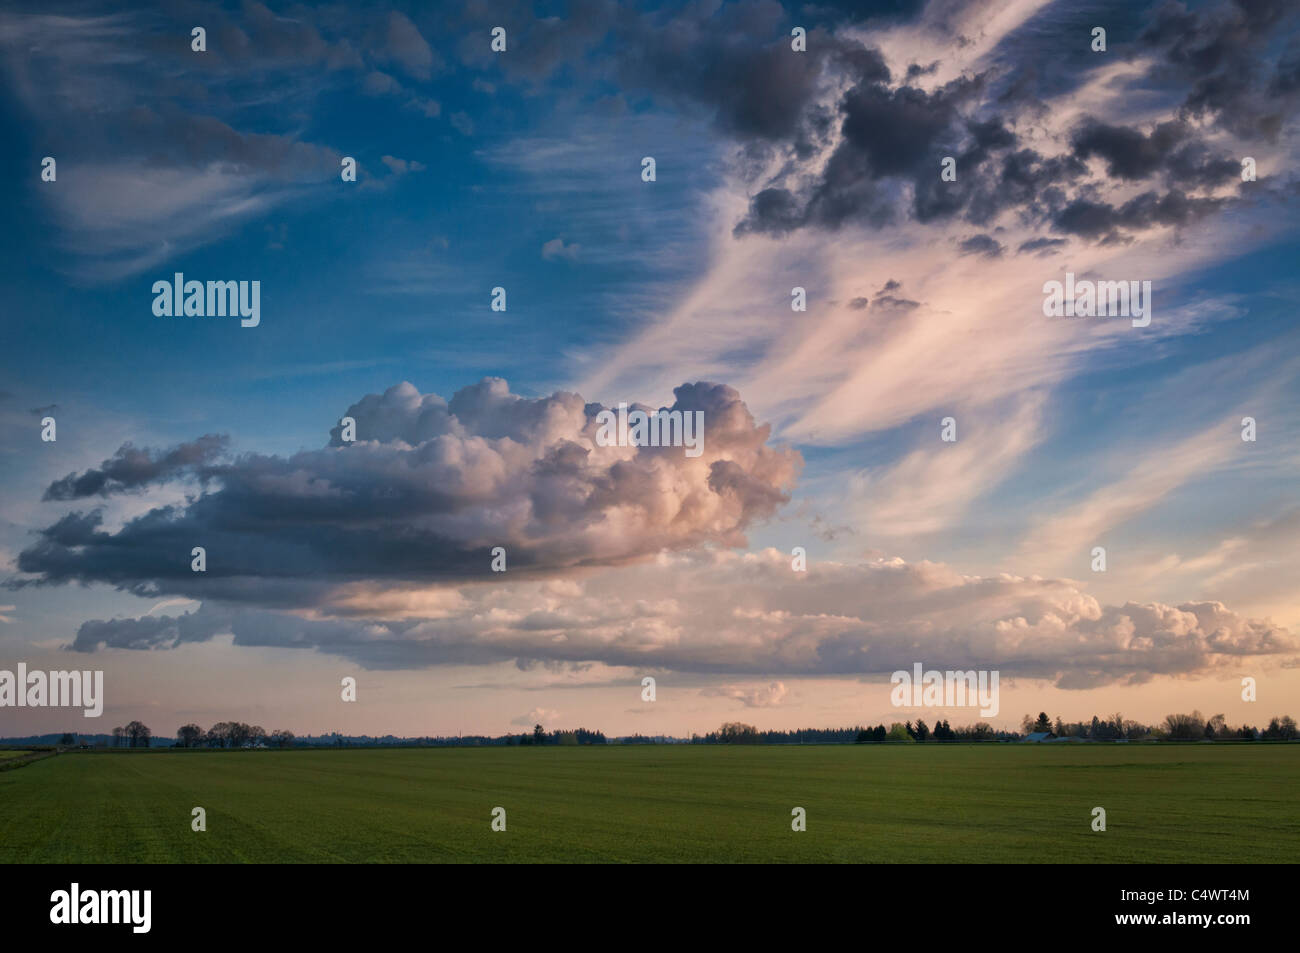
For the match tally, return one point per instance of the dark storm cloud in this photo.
(149, 632)
(738, 66)
(924, 126)
(1224, 52)
(1041, 246)
(986, 246)
(1100, 221)
(1168, 150)
(133, 468)
(426, 491)
(1128, 153)
(1225, 58)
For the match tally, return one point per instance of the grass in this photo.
(7, 753)
(870, 803)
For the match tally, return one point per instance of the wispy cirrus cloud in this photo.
(188, 163)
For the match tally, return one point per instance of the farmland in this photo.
(676, 803)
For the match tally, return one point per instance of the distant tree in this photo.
(237, 734)
(980, 731)
(921, 731)
(899, 732)
(1043, 723)
(539, 736)
(118, 735)
(879, 733)
(189, 736)
(68, 739)
(738, 733)
(138, 734)
(1184, 727)
(281, 739)
(865, 735)
(1280, 729)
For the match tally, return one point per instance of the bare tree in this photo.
(189, 736)
(1185, 727)
(138, 734)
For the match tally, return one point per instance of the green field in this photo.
(9, 753)
(869, 803)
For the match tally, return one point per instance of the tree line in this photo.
(739, 733)
(539, 736)
(231, 734)
(1176, 727)
(135, 735)
(942, 731)
(1192, 727)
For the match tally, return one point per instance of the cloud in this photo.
(402, 166)
(426, 492)
(931, 487)
(6, 613)
(834, 168)
(1226, 52)
(985, 246)
(133, 469)
(556, 248)
(148, 179)
(462, 123)
(1158, 472)
(1102, 221)
(1041, 246)
(404, 46)
(538, 716)
(725, 613)
(762, 696)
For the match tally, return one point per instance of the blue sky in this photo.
(775, 168)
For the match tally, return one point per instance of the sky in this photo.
(826, 536)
